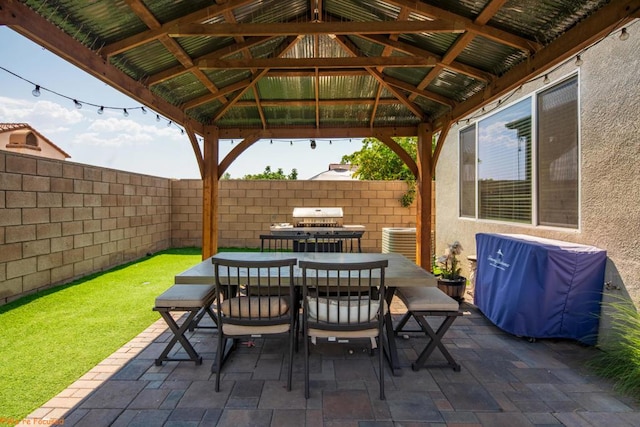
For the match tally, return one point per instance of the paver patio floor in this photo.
(505, 381)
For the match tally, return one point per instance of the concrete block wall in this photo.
(248, 208)
(61, 220)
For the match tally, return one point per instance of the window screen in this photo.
(468, 172)
(557, 110)
(504, 164)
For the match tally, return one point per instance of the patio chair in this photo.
(348, 243)
(256, 299)
(284, 243)
(343, 301)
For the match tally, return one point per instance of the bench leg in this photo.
(178, 336)
(196, 321)
(436, 341)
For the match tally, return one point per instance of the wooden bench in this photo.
(422, 303)
(193, 299)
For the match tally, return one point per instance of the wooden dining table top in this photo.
(401, 272)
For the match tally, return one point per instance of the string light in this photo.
(125, 112)
(77, 104)
(144, 111)
(579, 61)
(546, 79)
(157, 118)
(624, 35)
(36, 91)
(169, 123)
(101, 110)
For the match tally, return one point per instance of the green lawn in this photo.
(50, 339)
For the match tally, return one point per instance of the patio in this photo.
(505, 380)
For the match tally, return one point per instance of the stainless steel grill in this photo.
(315, 221)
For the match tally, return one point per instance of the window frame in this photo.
(533, 100)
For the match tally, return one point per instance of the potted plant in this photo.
(450, 281)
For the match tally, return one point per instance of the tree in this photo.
(268, 174)
(376, 161)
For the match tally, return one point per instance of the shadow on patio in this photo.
(505, 381)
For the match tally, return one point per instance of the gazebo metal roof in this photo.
(314, 64)
(259, 69)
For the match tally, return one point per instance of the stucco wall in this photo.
(610, 147)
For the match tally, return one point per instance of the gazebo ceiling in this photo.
(315, 67)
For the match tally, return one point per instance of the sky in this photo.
(137, 143)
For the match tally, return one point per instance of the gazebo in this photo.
(270, 69)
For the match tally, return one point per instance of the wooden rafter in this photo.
(170, 44)
(258, 104)
(311, 28)
(255, 78)
(353, 50)
(27, 22)
(312, 63)
(154, 34)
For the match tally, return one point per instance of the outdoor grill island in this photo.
(316, 229)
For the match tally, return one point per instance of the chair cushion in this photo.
(255, 307)
(426, 299)
(343, 308)
(186, 296)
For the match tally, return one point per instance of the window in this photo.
(497, 179)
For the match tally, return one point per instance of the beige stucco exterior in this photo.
(609, 91)
(22, 138)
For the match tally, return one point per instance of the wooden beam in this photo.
(293, 132)
(416, 91)
(196, 149)
(31, 25)
(154, 34)
(321, 102)
(351, 49)
(440, 143)
(409, 49)
(210, 192)
(178, 70)
(170, 44)
(400, 152)
(311, 28)
(312, 63)
(255, 78)
(258, 105)
(584, 34)
(235, 153)
(491, 33)
(424, 197)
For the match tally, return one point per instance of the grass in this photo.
(50, 339)
(619, 359)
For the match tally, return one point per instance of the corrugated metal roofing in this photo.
(356, 69)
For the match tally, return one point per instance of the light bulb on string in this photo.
(77, 104)
(546, 79)
(144, 111)
(169, 123)
(101, 110)
(157, 118)
(181, 131)
(624, 35)
(125, 112)
(579, 61)
(36, 92)
(271, 142)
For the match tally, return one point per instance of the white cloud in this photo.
(44, 116)
(118, 132)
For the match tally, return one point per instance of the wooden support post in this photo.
(210, 184)
(424, 196)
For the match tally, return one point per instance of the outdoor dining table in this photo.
(401, 272)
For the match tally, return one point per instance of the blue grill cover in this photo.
(540, 288)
